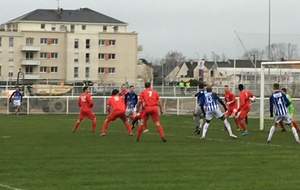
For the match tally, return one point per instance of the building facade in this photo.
(68, 46)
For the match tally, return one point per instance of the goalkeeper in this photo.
(291, 112)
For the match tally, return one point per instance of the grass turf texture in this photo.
(40, 152)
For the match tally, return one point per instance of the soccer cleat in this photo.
(163, 139)
(137, 140)
(146, 130)
(102, 134)
(283, 130)
(203, 137)
(73, 131)
(245, 133)
(268, 141)
(130, 134)
(233, 136)
(199, 131)
(238, 129)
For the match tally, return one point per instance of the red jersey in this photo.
(85, 102)
(122, 93)
(149, 97)
(244, 99)
(229, 97)
(116, 102)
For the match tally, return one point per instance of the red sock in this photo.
(160, 130)
(296, 125)
(281, 124)
(243, 125)
(76, 125)
(236, 121)
(145, 126)
(104, 126)
(127, 125)
(139, 131)
(94, 125)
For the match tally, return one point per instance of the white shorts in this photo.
(129, 111)
(198, 112)
(285, 118)
(17, 103)
(214, 113)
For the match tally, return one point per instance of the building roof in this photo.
(84, 15)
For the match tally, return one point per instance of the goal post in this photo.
(262, 87)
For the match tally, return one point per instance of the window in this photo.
(112, 56)
(76, 43)
(29, 41)
(72, 28)
(101, 56)
(101, 42)
(11, 42)
(43, 69)
(29, 55)
(53, 27)
(10, 74)
(43, 55)
(54, 55)
(0, 56)
(111, 70)
(11, 56)
(0, 71)
(43, 41)
(112, 42)
(87, 43)
(100, 70)
(83, 27)
(0, 41)
(28, 70)
(87, 72)
(53, 70)
(76, 57)
(104, 28)
(75, 72)
(54, 41)
(116, 28)
(42, 26)
(87, 57)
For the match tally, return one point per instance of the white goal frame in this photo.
(262, 87)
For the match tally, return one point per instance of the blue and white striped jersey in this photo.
(131, 100)
(16, 95)
(280, 101)
(211, 101)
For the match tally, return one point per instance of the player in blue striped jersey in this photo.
(131, 99)
(199, 110)
(280, 102)
(17, 97)
(212, 110)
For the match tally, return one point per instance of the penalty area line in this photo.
(243, 142)
(9, 187)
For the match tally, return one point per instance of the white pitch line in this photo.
(243, 142)
(9, 187)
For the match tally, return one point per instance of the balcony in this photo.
(30, 75)
(30, 48)
(27, 62)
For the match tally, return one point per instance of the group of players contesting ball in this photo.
(127, 106)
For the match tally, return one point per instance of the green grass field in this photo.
(39, 152)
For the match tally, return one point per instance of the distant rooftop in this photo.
(84, 15)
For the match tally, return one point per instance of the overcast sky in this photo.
(192, 27)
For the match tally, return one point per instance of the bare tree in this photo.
(282, 50)
(292, 51)
(257, 53)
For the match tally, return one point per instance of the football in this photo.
(253, 99)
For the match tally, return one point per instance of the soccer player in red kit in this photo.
(117, 104)
(151, 100)
(244, 107)
(85, 102)
(230, 101)
(123, 91)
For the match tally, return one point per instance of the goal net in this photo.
(287, 74)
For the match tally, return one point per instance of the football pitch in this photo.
(39, 152)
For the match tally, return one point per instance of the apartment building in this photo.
(68, 46)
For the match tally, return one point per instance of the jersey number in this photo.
(150, 93)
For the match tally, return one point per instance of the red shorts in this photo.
(243, 113)
(88, 114)
(150, 111)
(230, 110)
(116, 114)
